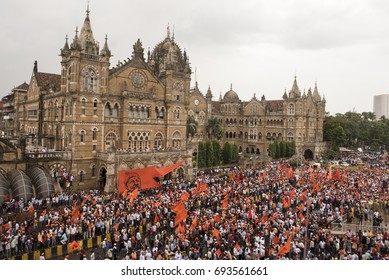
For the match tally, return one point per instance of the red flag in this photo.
(218, 253)
(286, 202)
(217, 219)
(31, 209)
(336, 175)
(275, 240)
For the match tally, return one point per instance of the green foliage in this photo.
(209, 154)
(217, 151)
(355, 130)
(282, 149)
(214, 129)
(191, 126)
(227, 153)
(234, 153)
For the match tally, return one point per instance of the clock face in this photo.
(196, 102)
(137, 78)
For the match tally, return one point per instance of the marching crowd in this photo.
(272, 212)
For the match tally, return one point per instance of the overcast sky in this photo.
(257, 46)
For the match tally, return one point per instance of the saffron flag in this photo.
(216, 233)
(225, 202)
(181, 213)
(194, 223)
(199, 189)
(74, 246)
(143, 178)
(336, 175)
(284, 249)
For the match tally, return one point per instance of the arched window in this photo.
(94, 134)
(110, 140)
(115, 111)
(291, 109)
(82, 136)
(176, 140)
(158, 141)
(107, 110)
(89, 82)
(83, 103)
(93, 171)
(290, 137)
(82, 176)
(95, 107)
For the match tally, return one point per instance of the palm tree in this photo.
(191, 126)
(214, 129)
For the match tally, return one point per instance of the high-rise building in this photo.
(381, 106)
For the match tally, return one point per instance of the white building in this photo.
(381, 106)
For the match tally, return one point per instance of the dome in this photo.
(167, 55)
(231, 96)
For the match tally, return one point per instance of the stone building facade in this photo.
(134, 114)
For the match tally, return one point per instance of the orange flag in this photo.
(286, 202)
(216, 233)
(284, 249)
(74, 246)
(116, 226)
(264, 218)
(75, 214)
(290, 173)
(275, 240)
(4, 227)
(217, 219)
(199, 189)
(218, 253)
(329, 176)
(194, 223)
(31, 209)
(336, 175)
(185, 196)
(292, 194)
(225, 202)
(181, 213)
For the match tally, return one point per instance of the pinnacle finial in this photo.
(87, 9)
(168, 31)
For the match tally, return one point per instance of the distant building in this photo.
(381, 106)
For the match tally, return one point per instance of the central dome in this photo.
(231, 96)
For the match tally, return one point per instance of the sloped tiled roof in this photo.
(23, 87)
(48, 81)
(274, 105)
(216, 106)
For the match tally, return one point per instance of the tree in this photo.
(191, 126)
(202, 155)
(217, 152)
(209, 154)
(227, 155)
(214, 129)
(234, 153)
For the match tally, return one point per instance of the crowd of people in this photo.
(271, 212)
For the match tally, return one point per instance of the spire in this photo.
(138, 50)
(168, 31)
(75, 45)
(87, 9)
(106, 51)
(35, 67)
(209, 93)
(285, 96)
(295, 91)
(316, 95)
(173, 34)
(220, 97)
(88, 43)
(65, 51)
(231, 86)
